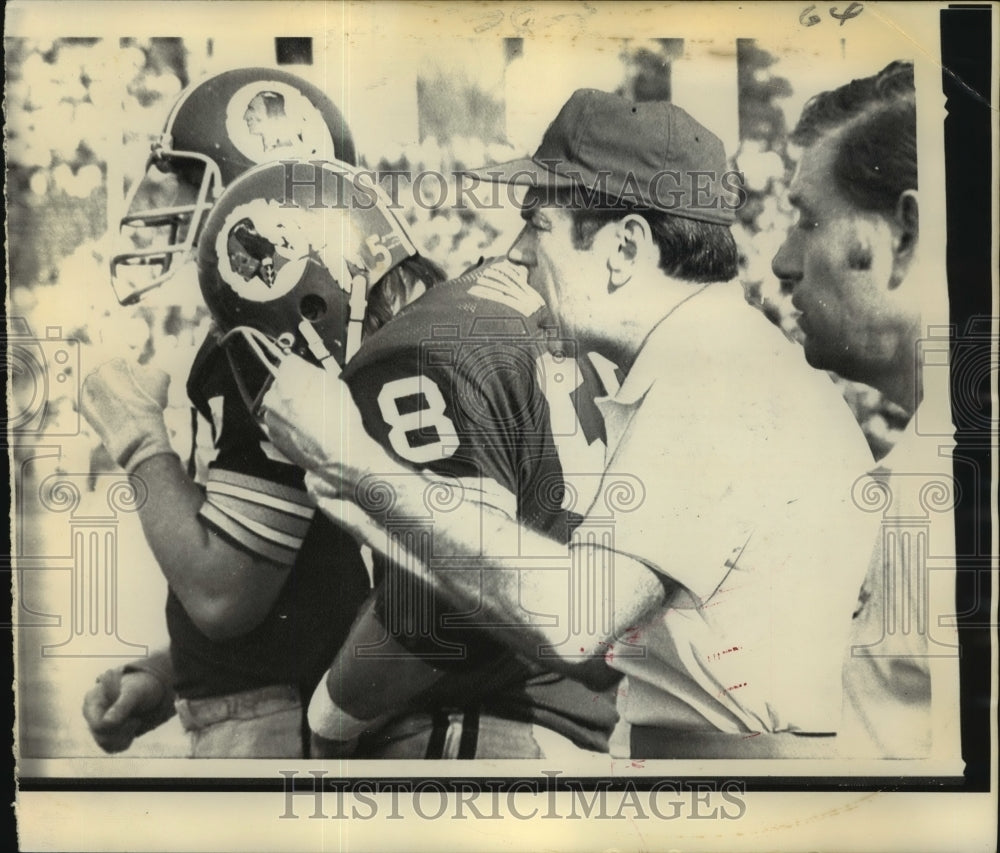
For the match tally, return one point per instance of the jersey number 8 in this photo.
(412, 405)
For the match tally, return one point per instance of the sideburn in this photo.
(859, 256)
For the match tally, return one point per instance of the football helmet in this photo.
(217, 129)
(287, 258)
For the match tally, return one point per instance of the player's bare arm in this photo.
(363, 692)
(224, 589)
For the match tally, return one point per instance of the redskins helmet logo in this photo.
(263, 249)
(268, 120)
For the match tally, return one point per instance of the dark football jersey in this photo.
(256, 500)
(464, 383)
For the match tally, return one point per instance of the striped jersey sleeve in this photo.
(265, 518)
(254, 497)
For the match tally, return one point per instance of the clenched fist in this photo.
(124, 403)
(123, 705)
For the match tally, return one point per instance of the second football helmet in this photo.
(289, 254)
(218, 129)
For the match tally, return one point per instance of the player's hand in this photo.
(311, 418)
(124, 404)
(302, 412)
(123, 705)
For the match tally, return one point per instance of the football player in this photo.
(463, 384)
(255, 610)
(204, 146)
(453, 385)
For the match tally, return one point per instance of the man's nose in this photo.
(787, 265)
(521, 251)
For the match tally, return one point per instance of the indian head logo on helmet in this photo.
(263, 249)
(217, 129)
(268, 120)
(291, 251)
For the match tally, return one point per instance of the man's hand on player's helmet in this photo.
(126, 704)
(124, 403)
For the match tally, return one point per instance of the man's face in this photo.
(256, 113)
(570, 280)
(838, 262)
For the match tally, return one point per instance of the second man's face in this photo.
(838, 261)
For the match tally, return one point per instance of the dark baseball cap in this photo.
(649, 154)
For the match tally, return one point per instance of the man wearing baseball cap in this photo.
(720, 561)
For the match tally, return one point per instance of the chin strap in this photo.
(271, 353)
(355, 324)
(315, 344)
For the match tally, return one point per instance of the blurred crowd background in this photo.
(80, 115)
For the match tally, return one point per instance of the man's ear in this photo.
(633, 239)
(906, 234)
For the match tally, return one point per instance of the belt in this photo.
(657, 742)
(442, 720)
(249, 704)
(457, 733)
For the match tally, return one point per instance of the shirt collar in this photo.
(648, 364)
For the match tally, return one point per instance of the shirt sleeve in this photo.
(667, 496)
(254, 497)
(717, 476)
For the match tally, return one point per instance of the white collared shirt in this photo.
(747, 458)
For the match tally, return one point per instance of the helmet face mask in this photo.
(296, 271)
(164, 215)
(217, 130)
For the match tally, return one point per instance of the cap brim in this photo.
(524, 172)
